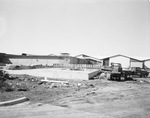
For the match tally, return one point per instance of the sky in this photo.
(93, 27)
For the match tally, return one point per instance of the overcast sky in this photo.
(93, 27)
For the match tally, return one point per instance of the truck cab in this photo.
(116, 71)
(116, 67)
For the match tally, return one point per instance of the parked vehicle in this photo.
(139, 72)
(116, 72)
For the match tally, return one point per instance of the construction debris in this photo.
(54, 83)
(12, 102)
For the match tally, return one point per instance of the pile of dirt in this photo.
(15, 86)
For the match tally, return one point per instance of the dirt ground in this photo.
(99, 98)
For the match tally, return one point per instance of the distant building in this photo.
(125, 61)
(91, 60)
(26, 59)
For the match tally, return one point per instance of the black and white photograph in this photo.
(74, 58)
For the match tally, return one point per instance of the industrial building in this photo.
(48, 60)
(125, 61)
(92, 60)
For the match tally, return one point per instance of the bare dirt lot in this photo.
(91, 99)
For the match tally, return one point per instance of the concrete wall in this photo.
(94, 73)
(58, 73)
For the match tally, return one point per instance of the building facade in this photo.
(125, 61)
(39, 60)
(91, 60)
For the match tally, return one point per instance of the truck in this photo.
(117, 72)
(139, 72)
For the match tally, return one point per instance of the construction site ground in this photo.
(99, 98)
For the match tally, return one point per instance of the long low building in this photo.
(39, 59)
